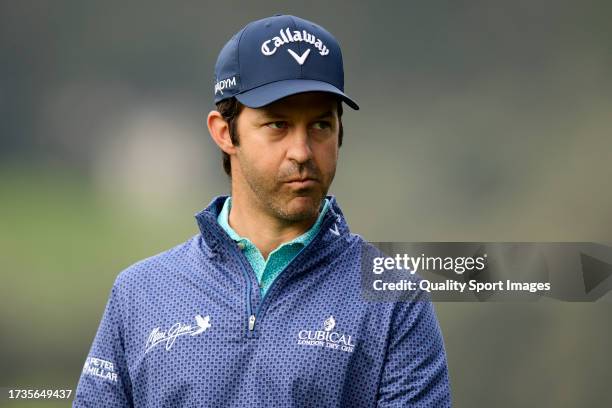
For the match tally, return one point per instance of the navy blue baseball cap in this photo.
(276, 57)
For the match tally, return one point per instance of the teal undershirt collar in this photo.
(267, 271)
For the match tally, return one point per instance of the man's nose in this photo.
(299, 149)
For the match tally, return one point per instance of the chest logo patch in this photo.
(168, 337)
(327, 337)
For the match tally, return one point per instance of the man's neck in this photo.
(264, 230)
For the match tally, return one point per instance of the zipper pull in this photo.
(252, 322)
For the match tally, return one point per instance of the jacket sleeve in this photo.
(415, 372)
(104, 381)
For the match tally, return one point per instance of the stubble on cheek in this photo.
(282, 200)
(300, 204)
(266, 188)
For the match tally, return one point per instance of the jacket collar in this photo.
(213, 235)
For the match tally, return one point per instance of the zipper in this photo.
(246, 267)
(248, 287)
(248, 298)
(253, 318)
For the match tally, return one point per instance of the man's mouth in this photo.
(299, 183)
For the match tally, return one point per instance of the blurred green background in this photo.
(480, 121)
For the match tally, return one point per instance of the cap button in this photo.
(241, 245)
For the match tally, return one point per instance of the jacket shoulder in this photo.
(156, 266)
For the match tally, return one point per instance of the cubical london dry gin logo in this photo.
(327, 337)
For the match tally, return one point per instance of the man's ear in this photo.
(219, 131)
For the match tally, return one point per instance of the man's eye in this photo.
(321, 125)
(277, 125)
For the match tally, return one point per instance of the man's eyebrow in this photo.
(325, 115)
(270, 113)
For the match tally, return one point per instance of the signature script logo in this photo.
(169, 336)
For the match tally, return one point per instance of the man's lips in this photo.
(302, 182)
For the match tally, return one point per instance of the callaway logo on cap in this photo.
(276, 57)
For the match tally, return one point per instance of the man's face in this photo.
(287, 153)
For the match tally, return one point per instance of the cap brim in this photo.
(272, 92)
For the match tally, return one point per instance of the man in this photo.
(263, 307)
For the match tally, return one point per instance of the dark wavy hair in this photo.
(231, 108)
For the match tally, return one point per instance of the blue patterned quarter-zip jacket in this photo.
(189, 328)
